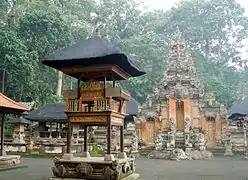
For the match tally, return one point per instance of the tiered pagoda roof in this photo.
(94, 51)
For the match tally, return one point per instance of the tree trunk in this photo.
(60, 83)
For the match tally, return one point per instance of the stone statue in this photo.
(18, 137)
(159, 143)
(202, 142)
(187, 124)
(172, 123)
(171, 140)
(134, 141)
(227, 143)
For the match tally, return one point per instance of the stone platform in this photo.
(9, 160)
(91, 168)
(179, 154)
(130, 177)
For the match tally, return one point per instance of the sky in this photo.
(167, 4)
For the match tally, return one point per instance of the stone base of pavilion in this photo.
(89, 168)
(9, 162)
(130, 177)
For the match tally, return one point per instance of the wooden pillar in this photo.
(50, 131)
(122, 138)
(2, 135)
(109, 139)
(60, 129)
(113, 83)
(85, 138)
(78, 88)
(69, 137)
(105, 87)
(57, 129)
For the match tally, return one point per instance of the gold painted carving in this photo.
(92, 85)
(92, 94)
(89, 119)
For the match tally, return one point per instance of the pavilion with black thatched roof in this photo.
(55, 113)
(74, 61)
(48, 116)
(93, 62)
(238, 112)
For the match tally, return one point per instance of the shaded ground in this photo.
(215, 169)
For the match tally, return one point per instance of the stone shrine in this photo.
(181, 118)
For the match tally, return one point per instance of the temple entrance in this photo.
(150, 132)
(180, 115)
(210, 131)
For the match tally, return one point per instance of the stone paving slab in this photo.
(224, 168)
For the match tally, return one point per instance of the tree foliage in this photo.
(32, 29)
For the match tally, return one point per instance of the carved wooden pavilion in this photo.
(95, 62)
(8, 106)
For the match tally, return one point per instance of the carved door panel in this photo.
(150, 132)
(180, 115)
(210, 132)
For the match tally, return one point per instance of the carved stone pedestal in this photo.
(105, 168)
(130, 177)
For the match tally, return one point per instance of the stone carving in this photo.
(227, 143)
(159, 143)
(171, 140)
(172, 124)
(202, 142)
(188, 144)
(228, 150)
(59, 171)
(187, 124)
(18, 137)
(84, 169)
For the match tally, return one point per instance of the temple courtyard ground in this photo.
(219, 168)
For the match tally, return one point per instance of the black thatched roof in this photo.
(50, 112)
(55, 112)
(19, 120)
(240, 109)
(93, 51)
(132, 107)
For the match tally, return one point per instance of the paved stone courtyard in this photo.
(215, 169)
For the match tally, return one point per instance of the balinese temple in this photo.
(180, 103)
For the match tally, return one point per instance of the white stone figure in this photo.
(202, 142)
(19, 135)
(188, 144)
(228, 150)
(171, 144)
(172, 122)
(187, 124)
(159, 142)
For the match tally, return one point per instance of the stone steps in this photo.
(217, 151)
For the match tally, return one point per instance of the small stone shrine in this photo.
(8, 106)
(181, 119)
(93, 62)
(237, 131)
